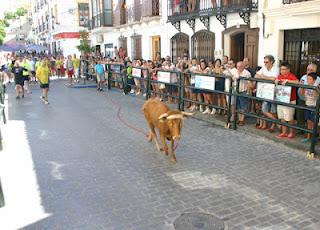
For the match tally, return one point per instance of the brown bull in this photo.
(168, 122)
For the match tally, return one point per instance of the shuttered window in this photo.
(136, 49)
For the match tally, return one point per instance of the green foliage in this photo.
(10, 15)
(21, 12)
(2, 34)
(84, 42)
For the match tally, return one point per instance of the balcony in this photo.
(179, 10)
(102, 20)
(150, 8)
(293, 1)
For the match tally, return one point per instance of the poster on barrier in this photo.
(205, 82)
(283, 93)
(116, 68)
(164, 77)
(136, 72)
(265, 90)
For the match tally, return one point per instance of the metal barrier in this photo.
(315, 109)
(231, 92)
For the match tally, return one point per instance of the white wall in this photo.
(69, 46)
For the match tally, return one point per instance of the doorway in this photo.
(237, 47)
(156, 46)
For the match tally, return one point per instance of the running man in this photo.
(42, 74)
(76, 65)
(100, 74)
(17, 71)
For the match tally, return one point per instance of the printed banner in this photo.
(205, 82)
(164, 77)
(265, 90)
(283, 93)
(116, 68)
(136, 72)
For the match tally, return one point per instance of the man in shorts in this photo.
(42, 74)
(268, 72)
(285, 113)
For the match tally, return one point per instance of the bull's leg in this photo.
(153, 135)
(164, 143)
(173, 157)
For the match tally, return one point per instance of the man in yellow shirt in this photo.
(42, 74)
(76, 65)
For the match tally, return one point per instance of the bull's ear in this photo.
(163, 116)
(185, 114)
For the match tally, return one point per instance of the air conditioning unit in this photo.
(100, 39)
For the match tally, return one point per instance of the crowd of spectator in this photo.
(226, 71)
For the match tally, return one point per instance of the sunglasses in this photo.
(266, 62)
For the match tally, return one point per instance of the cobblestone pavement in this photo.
(111, 178)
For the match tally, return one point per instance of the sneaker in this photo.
(42, 97)
(137, 93)
(100, 89)
(17, 97)
(306, 140)
(201, 109)
(123, 93)
(144, 95)
(192, 108)
(207, 111)
(132, 91)
(46, 102)
(213, 111)
(282, 135)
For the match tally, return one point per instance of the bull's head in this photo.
(174, 120)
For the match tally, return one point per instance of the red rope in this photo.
(132, 127)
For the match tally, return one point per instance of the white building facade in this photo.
(210, 29)
(137, 26)
(56, 24)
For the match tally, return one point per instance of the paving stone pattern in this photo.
(113, 179)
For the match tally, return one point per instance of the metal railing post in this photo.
(314, 138)
(124, 80)
(229, 101)
(182, 92)
(109, 75)
(236, 98)
(148, 92)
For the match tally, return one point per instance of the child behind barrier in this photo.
(311, 97)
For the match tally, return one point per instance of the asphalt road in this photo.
(93, 172)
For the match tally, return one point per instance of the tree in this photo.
(10, 15)
(21, 12)
(2, 34)
(84, 46)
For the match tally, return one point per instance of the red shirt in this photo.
(290, 77)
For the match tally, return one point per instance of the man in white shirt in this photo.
(230, 71)
(268, 72)
(244, 86)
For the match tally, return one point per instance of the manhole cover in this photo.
(195, 221)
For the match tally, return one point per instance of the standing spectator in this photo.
(121, 53)
(286, 114)
(311, 97)
(76, 66)
(116, 54)
(268, 72)
(70, 69)
(100, 71)
(311, 68)
(220, 84)
(230, 72)
(171, 89)
(225, 60)
(53, 66)
(247, 66)
(244, 87)
(17, 70)
(194, 92)
(42, 74)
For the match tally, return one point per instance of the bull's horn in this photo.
(175, 116)
(186, 114)
(164, 115)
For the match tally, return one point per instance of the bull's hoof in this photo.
(310, 156)
(173, 160)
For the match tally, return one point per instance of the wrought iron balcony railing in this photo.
(150, 8)
(103, 19)
(293, 1)
(181, 10)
